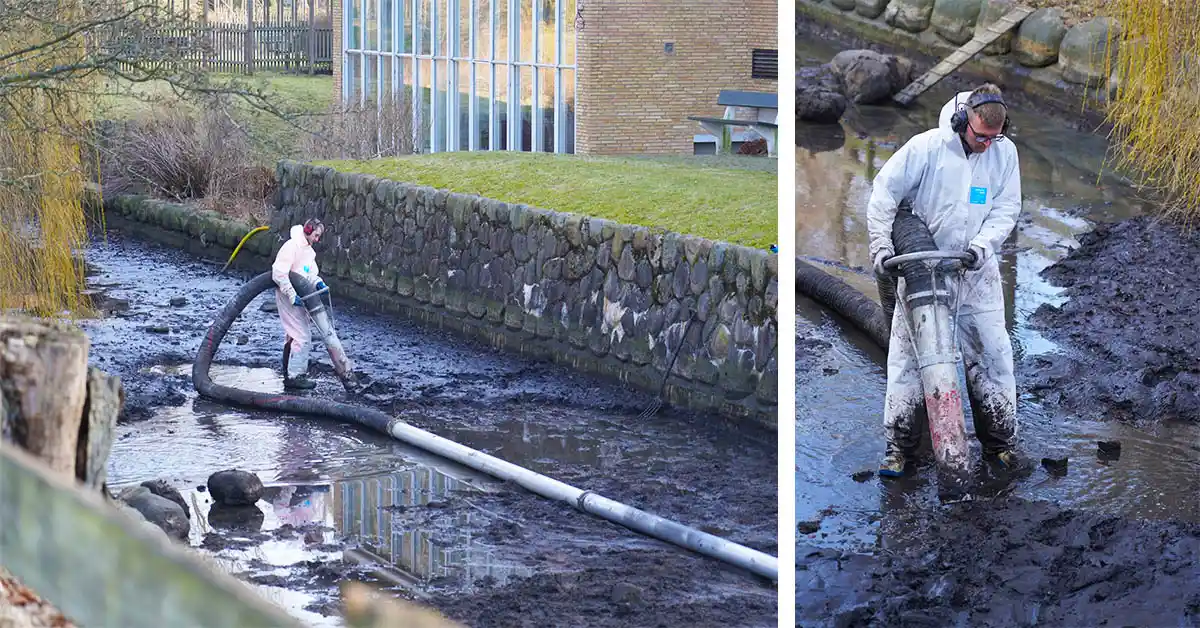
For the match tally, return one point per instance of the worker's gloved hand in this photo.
(880, 258)
(977, 257)
(321, 285)
(297, 302)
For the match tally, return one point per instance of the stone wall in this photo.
(607, 298)
(1042, 55)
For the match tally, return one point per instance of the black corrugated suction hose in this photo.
(909, 235)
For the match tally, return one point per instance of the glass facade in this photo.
(470, 67)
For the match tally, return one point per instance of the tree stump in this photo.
(51, 404)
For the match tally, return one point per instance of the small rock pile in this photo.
(861, 77)
(156, 502)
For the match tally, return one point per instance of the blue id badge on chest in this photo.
(978, 196)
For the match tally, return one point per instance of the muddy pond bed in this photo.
(1100, 308)
(345, 503)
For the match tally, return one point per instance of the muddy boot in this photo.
(287, 353)
(893, 464)
(1007, 457)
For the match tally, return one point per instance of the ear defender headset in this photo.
(311, 225)
(958, 121)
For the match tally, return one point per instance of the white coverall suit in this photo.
(296, 255)
(965, 200)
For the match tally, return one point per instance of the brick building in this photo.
(594, 77)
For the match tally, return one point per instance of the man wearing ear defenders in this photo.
(963, 180)
(296, 255)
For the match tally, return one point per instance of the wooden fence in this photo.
(296, 48)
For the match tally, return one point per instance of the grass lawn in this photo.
(297, 95)
(726, 198)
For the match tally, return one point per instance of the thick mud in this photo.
(1009, 562)
(1129, 326)
(374, 510)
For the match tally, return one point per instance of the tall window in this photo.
(482, 74)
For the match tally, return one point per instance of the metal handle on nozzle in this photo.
(931, 258)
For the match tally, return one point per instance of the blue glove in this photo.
(321, 285)
(297, 302)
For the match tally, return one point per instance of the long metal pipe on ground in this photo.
(638, 520)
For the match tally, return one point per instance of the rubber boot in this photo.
(297, 383)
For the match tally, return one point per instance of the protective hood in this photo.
(297, 233)
(949, 108)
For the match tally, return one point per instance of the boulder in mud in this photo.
(869, 77)
(166, 491)
(160, 511)
(1039, 38)
(989, 13)
(910, 15)
(232, 487)
(955, 20)
(871, 8)
(845, 5)
(819, 95)
(1082, 55)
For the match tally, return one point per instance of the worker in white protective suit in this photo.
(296, 256)
(963, 180)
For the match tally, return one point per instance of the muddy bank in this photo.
(687, 467)
(1065, 109)
(1129, 328)
(1007, 563)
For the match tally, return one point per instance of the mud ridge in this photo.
(1129, 326)
(1007, 563)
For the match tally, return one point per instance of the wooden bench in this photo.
(763, 120)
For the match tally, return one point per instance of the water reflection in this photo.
(372, 511)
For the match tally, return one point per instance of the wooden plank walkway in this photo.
(962, 55)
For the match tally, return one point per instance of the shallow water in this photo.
(841, 379)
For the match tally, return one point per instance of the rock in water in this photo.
(870, 77)
(235, 488)
(166, 491)
(160, 511)
(819, 95)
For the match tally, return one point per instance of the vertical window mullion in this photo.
(452, 43)
(416, 70)
(514, 74)
(535, 104)
(472, 105)
(493, 119)
(559, 109)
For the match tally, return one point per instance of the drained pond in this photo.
(342, 502)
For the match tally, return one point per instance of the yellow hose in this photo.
(241, 244)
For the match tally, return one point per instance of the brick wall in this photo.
(632, 96)
(636, 98)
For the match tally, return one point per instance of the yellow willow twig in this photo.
(42, 219)
(1156, 65)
